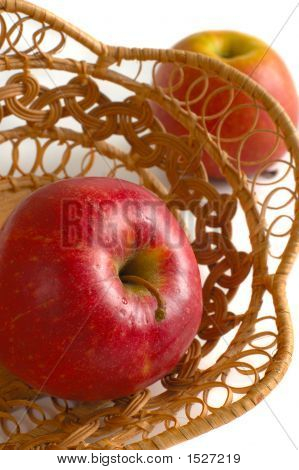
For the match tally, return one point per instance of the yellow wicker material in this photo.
(95, 115)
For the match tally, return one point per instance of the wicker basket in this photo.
(85, 109)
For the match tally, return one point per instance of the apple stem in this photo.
(160, 311)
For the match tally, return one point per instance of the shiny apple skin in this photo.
(254, 58)
(69, 326)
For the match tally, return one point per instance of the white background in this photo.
(263, 436)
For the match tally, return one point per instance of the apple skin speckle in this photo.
(64, 327)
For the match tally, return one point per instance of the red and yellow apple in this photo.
(252, 57)
(100, 289)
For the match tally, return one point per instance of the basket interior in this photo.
(67, 111)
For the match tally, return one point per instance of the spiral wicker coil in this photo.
(70, 105)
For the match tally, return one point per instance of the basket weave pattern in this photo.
(79, 121)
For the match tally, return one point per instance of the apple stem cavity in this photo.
(160, 311)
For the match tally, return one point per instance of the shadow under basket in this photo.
(71, 106)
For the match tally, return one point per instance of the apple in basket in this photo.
(100, 290)
(242, 117)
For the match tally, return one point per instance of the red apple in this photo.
(100, 290)
(252, 57)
